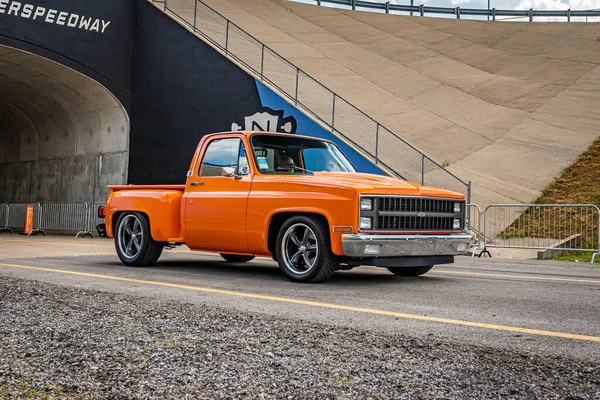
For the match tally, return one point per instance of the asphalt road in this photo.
(541, 307)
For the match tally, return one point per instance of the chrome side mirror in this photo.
(229, 172)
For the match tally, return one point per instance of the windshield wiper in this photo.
(296, 168)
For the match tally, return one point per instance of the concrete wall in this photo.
(63, 136)
(508, 105)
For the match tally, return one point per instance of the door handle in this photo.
(197, 183)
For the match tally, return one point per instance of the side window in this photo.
(220, 153)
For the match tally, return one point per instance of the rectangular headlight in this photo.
(366, 204)
(457, 208)
(456, 224)
(365, 223)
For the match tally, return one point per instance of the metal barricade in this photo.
(574, 227)
(93, 219)
(4, 218)
(66, 217)
(17, 213)
(474, 220)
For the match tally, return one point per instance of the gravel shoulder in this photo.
(58, 342)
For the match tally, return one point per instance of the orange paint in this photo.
(225, 214)
(28, 227)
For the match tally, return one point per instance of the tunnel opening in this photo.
(63, 136)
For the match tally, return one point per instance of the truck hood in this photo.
(371, 184)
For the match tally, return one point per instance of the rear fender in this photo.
(162, 207)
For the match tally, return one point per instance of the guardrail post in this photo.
(5, 228)
(39, 224)
(353, 2)
(262, 63)
(195, 12)
(318, 2)
(421, 9)
(469, 193)
(531, 15)
(227, 39)
(493, 14)
(165, 6)
(597, 248)
(423, 169)
(387, 7)
(457, 11)
(297, 76)
(377, 145)
(333, 115)
(412, 4)
(569, 15)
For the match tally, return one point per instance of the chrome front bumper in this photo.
(355, 245)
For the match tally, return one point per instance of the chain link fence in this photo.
(377, 143)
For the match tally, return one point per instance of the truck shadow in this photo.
(269, 271)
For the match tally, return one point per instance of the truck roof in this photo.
(250, 133)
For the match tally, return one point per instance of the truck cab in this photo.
(293, 198)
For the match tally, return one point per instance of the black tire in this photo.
(410, 271)
(236, 258)
(148, 252)
(322, 265)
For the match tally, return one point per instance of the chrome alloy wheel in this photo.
(300, 249)
(130, 236)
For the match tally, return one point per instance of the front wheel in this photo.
(236, 258)
(410, 271)
(134, 244)
(303, 250)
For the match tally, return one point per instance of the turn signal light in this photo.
(342, 229)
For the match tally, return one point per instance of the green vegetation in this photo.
(577, 256)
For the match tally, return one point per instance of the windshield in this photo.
(278, 154)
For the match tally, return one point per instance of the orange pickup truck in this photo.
(294, 198)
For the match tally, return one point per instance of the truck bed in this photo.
(146, 187)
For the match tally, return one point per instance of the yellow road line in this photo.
(529, 277)
(435, 271)
(320, 304)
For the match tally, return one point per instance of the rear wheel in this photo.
(303, 250)
(133, 241)
(410, 271)
(236, 258)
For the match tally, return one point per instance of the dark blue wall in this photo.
(182, 90)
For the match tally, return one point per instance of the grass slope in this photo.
(578, 184)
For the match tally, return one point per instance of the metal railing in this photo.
(492, 13)
(66, 217)
(55, 217)
(474, 224)
(4, 218)
(378, 143)
(93, 219)
(574, 227)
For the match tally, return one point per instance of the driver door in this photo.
(217, 196)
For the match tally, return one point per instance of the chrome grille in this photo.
(415, 204)
(414, 214)
(393, 223)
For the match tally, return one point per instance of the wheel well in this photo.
(279, 219)
(117, 214)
